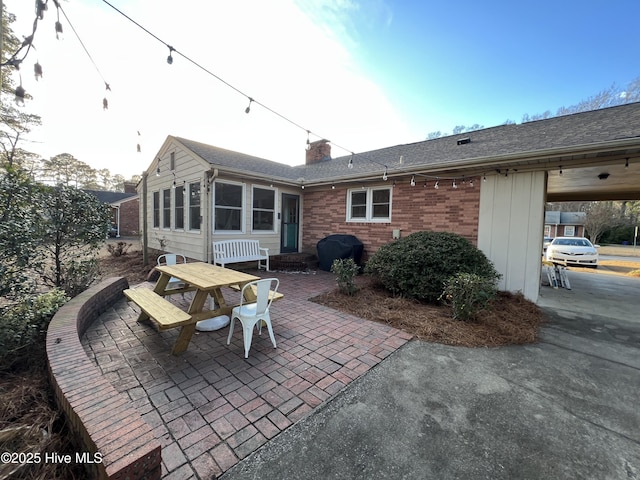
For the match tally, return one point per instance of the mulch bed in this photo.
(510, 320)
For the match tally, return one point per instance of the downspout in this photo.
(145, 240)
(210, 176)
(118, 221)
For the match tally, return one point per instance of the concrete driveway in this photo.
(566, 407)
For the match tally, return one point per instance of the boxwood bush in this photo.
(419, 265)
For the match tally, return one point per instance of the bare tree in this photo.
(601, 216)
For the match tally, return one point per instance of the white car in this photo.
(572, 251)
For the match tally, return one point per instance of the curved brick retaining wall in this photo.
(103, 418)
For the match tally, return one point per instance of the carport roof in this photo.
(582, 139)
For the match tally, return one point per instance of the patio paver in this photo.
(210, 407)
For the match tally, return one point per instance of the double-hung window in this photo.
(264, 209)
(194, 206)
(569, 230)
(156, 209)
(371, 204)
(166, 208)
(228, 205)
(179, 207)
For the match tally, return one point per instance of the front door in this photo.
(290, 223)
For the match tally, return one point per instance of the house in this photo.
(564, 224)
(489, 186)
(125, 209)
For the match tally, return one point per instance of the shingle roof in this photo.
(110, 197)
(485, 146)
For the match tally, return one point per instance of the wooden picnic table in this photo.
(202, 278)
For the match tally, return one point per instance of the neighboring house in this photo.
(125, 209)
(489, 186)
(564, 224)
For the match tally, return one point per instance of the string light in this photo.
(437, 184)
(471, 182)
(626, 163)
(333, 187)
(170, 57)
(413, 180)
(248, 109)
(454, 184)
(37, 70)
(560, 173)
(308, 141)
(384, 175)
(484, 177)
(350, 165)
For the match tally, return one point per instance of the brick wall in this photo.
(413, 209)
(105, 421)
(129, 217)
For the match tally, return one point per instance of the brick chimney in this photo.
(319, 151)
(129, 187)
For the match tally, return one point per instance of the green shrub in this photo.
(346, 271)
(24, 325)
(78, 275)
(468, 293)
(418, 265)
(118, 249)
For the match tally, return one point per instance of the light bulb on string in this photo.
(248, 109)
(454, 185)
(170, 58)
(626, 163)
(37, 70)
(384, 175)
(350, 165)
(560, 172)
(471, 182)
(484, 177)
(413, 180)
(333, 187)
(308, 141)
(437, 184)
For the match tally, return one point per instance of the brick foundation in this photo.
(102, 417)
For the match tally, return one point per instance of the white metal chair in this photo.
(172, 259)
(253, 314)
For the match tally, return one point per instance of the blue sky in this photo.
(364, 74)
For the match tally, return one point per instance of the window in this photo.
(156, 209)
(172, 161)
(264, 208)
(228, 207)
(179, 207)
(194, 206)
(569, 230)
(166, 208)
(547, 230)
(369, 205)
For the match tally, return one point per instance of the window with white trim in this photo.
(228, 204)
(179, 207)
(547, 230)
(569, 230)
(194, 206)
(263, 213)
(371, 204)
(156, 209)
(166, 208)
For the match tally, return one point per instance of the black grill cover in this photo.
(338, 247)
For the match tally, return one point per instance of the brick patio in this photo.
(210, 407)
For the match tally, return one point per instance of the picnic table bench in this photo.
(165, 313)
(240, 250)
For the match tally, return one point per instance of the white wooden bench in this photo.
(165, 313)
(236, 251)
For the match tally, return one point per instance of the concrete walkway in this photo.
(565, 408)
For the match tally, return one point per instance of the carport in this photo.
(579, 162)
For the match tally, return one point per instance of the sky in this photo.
(364, 74)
